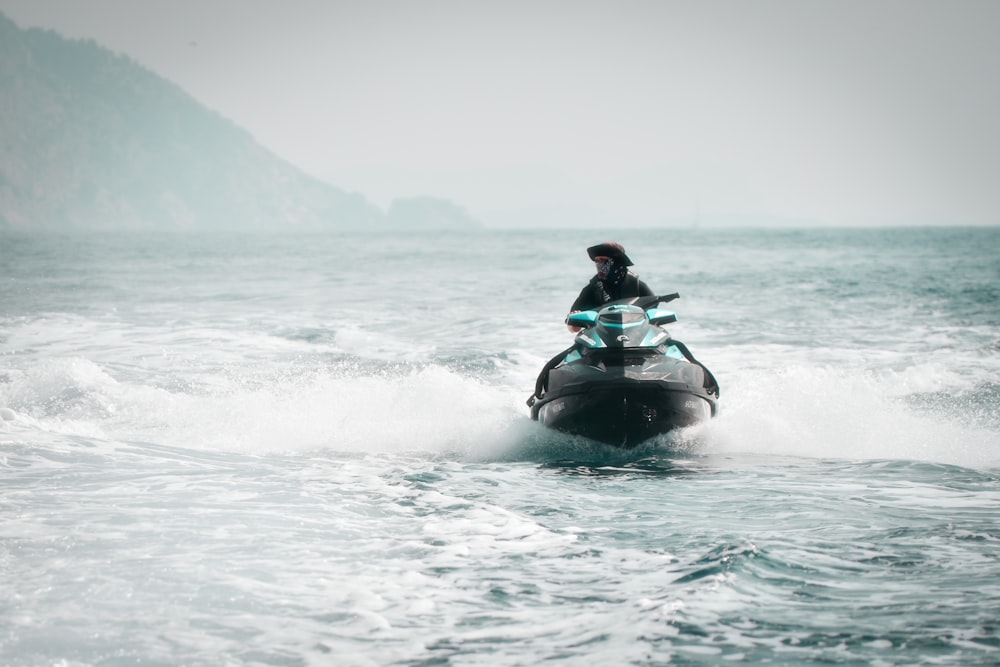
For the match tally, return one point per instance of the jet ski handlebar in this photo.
(587, 317)
(645, 302)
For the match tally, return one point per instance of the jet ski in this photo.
(625, 379)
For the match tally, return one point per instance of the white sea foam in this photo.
(355, 409)
(823, 412)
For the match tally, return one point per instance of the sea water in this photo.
(315, 450)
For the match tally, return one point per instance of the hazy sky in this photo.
(618, 112)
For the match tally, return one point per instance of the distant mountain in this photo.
(89, 139)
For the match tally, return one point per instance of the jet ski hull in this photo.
(625, 414)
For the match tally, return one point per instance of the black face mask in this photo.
(612, 272)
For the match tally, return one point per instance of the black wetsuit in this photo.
(599, 292)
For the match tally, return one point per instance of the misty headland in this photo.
(92, 140)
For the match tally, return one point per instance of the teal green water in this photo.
(315, 451)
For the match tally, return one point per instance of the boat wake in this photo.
(799, 411)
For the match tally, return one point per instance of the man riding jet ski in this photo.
(625, 379)
(612, 278)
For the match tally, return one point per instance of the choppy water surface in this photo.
(315, 451)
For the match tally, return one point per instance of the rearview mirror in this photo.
(584, 318)
(659, 316)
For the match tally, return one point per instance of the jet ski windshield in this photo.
(622, 316)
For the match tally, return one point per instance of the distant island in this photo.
(91, 140)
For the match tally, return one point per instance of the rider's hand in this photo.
(572, 328)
